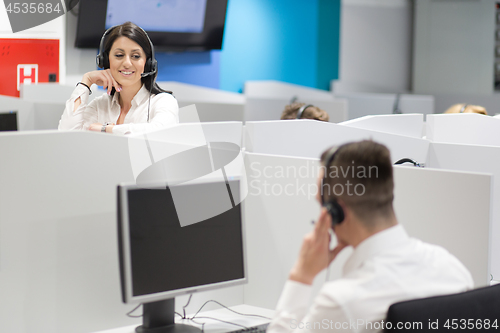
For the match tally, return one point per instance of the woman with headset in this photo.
(134, 102)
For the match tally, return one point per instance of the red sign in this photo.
(27, 61)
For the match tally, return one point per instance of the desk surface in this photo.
(215, 326)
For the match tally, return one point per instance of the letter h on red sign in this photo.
(27, 74)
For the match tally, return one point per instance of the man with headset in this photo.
(356, 193)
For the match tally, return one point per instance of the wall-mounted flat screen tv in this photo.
(172, 25)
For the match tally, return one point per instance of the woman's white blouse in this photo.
(163, 112)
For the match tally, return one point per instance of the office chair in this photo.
(469, 311)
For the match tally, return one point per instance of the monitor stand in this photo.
(158, 317)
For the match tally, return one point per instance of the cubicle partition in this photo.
(411, 125)
(213, 105)
(278, 89)
(466, 128)
(271, 108)
(281, 205)
(309, 138)
(266, 100)
(474, 158)
(58, 231)
(365, 104)
(32, 115)
(51, 92)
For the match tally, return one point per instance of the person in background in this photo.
(134, 102)
(386, 265)
(466, 108)
(305, 111)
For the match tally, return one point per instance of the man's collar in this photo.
(375, 244)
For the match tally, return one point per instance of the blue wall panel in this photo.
(199, 68)
(269, 40)
(294, 41)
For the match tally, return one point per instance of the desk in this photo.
(214, 326)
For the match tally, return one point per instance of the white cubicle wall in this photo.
(467, 128)
(271, 108)
(33, 115)
(474, 158)
(213, 105)
(281, 205)
(58, 231)
(366, 104)
(266, 100)
(278, 89)
(309, 138)
(51, 92)
(411, 125)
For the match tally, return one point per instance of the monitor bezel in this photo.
(91, 25)
(125, 257)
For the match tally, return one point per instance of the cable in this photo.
(150, 90)
(129, 314)
(185, 306)
(225, 307)
(223, 321)
(408, 160)
(202, 325)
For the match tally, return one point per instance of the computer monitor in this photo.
(168, 248)
(8, 121)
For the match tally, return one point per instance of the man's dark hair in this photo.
(360, 174)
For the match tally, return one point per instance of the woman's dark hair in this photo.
(138, 35)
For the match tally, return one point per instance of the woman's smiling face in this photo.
(126, 62)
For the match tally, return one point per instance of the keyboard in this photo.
(252, 329)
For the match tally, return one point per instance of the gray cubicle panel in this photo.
(212, 104)
(24, 109)
(491, 102)
(284, 90)
(58, 241)
(474, 158)
(33, 115)
(212, 111)
(50, 92)
(411, 125)
(466, 128)
(309, 138)
(365, 104)
(194, 93)
(271, 108)
(281, 204)
(47, 115)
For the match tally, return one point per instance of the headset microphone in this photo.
(148, 73)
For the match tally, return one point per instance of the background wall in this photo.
(375, 46)
(293, 41)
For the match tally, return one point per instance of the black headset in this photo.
(409, 160)
(102, 60)
(302, 109)
(332, 206)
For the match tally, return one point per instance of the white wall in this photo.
(375, 46)
(454, 46)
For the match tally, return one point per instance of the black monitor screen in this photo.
(165, 256)
(8, 121)
(172, 25)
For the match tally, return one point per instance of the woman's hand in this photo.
(102, 78)
(97, 127)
